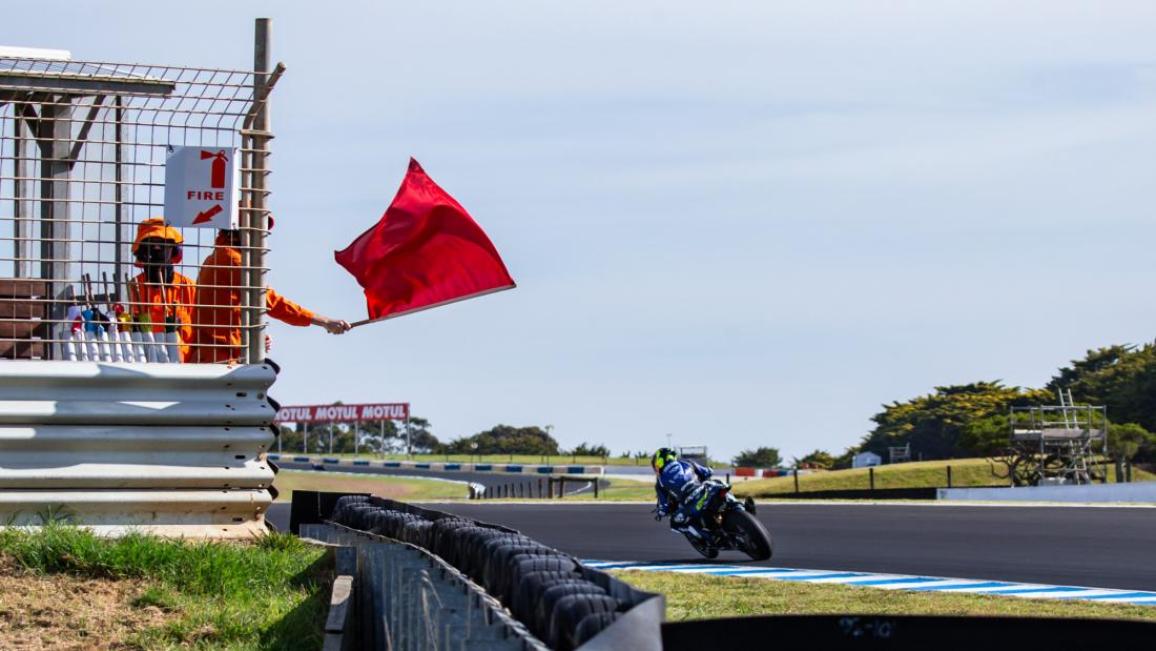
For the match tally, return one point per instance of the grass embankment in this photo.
(734, 597)
(381, 485)
(268, 594)
(623, 490)
(915, 474)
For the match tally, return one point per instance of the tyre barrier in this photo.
(561, 602)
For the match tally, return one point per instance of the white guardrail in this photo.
(171, 449)
(1139, 492)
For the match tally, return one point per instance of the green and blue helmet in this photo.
(662, 457)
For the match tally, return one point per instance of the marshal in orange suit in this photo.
(217, 315)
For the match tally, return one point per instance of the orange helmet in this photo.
(156, 228)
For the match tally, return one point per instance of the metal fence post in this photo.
(256, 220)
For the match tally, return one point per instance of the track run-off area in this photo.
(1095, 547)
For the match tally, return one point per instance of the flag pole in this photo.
(428, 307)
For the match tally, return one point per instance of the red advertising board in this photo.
(342, 413)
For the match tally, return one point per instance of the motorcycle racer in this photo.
(680, 490)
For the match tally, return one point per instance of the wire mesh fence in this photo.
(89, 267)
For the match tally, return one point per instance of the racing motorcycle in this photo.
(728, 524)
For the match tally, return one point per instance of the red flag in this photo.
(425, 251)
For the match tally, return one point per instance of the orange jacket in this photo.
(217, 337)
(158, 302)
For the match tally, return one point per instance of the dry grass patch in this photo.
(70, 612)
(65, 588)
(393, 488)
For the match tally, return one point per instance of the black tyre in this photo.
(592, 625)
(530, 589)
(496, 572)
(569, 611)
(523, 565)
(539, 622)
(753, 538)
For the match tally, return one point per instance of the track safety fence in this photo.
(133, 209)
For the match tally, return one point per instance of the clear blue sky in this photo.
(743, 223)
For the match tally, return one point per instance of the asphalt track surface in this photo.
(1083, 546)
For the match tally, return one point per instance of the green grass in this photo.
(734, 597)
(624, 490)
(269, 594)
(916, 474)
(288, 481)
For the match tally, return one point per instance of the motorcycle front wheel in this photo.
(754, 539)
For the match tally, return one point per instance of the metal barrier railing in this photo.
(174, 450)
(411, 599)
(557, 600)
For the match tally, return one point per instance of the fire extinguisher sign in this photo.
(201, 187)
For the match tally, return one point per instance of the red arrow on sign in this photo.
(207, 215)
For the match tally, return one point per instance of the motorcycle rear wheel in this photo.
(754, 538)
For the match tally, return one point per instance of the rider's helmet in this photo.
(662, 457)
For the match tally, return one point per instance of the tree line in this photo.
(972, 420)
(415, 437)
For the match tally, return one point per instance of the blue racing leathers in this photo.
(678, 487)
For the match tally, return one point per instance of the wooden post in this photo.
(561, 487)
(871, 476)
(949, 476)
(796, 473)
(595, 488)
(539, 488)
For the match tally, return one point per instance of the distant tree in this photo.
(817, 459)
(1123, 378)
(846, 459)
(759, 458)
(935, 424)
(420, 439)
(1127, 440)
(584, 450)
(985, 436)
(505, 439)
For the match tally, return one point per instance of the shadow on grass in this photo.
(304, 626)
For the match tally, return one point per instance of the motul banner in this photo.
(343, 413)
